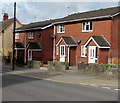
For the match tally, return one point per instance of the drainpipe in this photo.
(68, 54)
(54, 46)
(25, 50)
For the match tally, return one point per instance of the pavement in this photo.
(69, 77)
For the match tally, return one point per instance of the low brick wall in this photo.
(100, 69)
(58, 66)
(35, 64)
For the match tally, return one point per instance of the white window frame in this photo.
(57, 50)
(83, 51)
(30, 35)
(17, 36)
(62, 53)
(84, 27)
(30, 58)
(61, 29)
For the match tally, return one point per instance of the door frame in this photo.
(62, 56)
(31, 55)
(93, 54)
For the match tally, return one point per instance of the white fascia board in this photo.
(36, 49)
(100, 17)
(19, 48)
(88, 41)
(59, 41)
(47, 26)
(104, 47)
(115, 14)
(91, 38)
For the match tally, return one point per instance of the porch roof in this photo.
(19, 45)
(100, 41)
(69, 40)
(35, 45)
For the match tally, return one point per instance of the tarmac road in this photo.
(21, 88)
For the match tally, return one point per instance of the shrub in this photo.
(6, 59)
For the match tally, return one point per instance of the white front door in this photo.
(92, 54)
(62, 53)
(29, 55)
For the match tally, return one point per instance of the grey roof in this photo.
(85, 15)
(35, 45)
(4, 24)
(69, 40)
(19, 45)
(101, 41)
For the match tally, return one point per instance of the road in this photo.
(21, 88)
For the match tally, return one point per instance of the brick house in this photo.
(90, 37)
(34, 41)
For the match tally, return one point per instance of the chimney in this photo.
(5, 16)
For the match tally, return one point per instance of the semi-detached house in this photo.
(90, 37)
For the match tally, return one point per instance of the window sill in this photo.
(87, 31)
(83, 56)
(61, 32)
(30, 38)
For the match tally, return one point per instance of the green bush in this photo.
(6, 59)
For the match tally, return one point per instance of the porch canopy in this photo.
(68, 40)
(100, 41)
(19, 45)
(35, 45)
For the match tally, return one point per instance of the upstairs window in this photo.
(87, 27)
(30, 35)
(83, 51)
(17, 36)
(60, 29)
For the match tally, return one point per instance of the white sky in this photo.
(28, 11)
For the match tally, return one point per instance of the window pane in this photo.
(90, 25)
(87, 27)
(83, 26)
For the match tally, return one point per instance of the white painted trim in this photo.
(28, 54)
(64, 50)
(25, 48)
(36, 49)
(91, 38)
(54, 57)
(47, 26)
(115, 14)
(19, 48)
(68, 54)
(104, 47)
(64, 42)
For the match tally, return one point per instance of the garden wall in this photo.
(100, 69)
(58, 66)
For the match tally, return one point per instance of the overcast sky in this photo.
(28, 12)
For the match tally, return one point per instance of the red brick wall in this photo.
(45, 40)
(102, 27)
(103, 56)
(115, 38)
